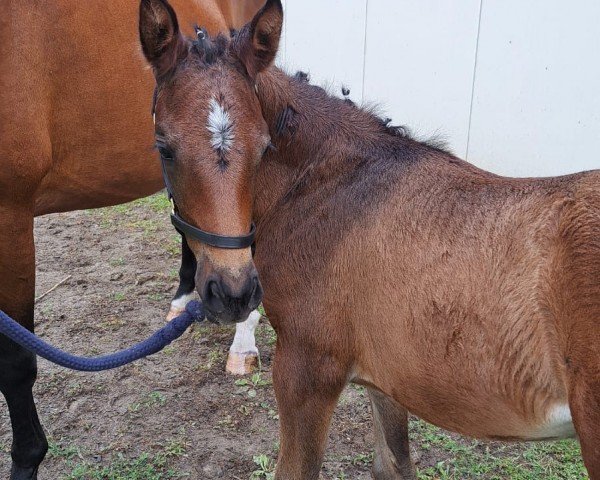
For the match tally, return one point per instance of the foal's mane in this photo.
(376, 125)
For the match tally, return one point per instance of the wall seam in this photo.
(474, 79)
(364, 67)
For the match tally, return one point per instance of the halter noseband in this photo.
(183, 227)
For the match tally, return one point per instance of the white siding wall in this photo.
(513, 86)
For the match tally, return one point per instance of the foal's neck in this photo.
(309, 128)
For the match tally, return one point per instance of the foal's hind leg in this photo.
(585, 408)
(18, 367)
(392, 453)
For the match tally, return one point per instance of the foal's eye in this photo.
(165, 153)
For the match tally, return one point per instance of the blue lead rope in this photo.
(171, 331)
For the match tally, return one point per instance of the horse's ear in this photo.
(162, 43)
(257, 43)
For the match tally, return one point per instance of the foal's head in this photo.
(211, 134)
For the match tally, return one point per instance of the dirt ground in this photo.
(177, 414)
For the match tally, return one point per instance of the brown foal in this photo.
(469, 299)
(75, 130)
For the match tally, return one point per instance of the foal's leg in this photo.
(187, 283)
(392, 453)
(18, 367)
(585, 408)
(243, 354)
(307, 386)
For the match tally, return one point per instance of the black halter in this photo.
(183, 227)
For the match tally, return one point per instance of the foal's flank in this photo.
(468, 299)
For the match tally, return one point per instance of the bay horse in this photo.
(74, 134)
(469, 299)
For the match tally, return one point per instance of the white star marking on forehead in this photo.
(221, 127)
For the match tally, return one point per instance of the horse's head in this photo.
(211, 134)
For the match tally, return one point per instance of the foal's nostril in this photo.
(213, 297)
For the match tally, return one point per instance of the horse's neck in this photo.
(316, 129)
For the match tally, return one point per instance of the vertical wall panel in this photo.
(419, 64)
(326, 38)
(536, 107)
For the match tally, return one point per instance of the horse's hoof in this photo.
(174, 312)
(242, 363)
(21, 473)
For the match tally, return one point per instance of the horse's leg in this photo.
(307, 387)
(585, 408)
(243, 354)
(18, 367)
(187, 283)
(392, 453)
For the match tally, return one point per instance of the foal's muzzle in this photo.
(229, 301)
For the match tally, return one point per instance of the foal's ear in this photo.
(162, 43)
(257, 43)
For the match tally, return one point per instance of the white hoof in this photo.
(178, 305)
(243, 354)
(174, 312)
(242, 363)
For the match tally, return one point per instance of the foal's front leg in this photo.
(307, 386)
(187, 283)
(243, 354)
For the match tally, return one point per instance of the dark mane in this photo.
(339, 106)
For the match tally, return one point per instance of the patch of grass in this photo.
(119, 296)
(58, 450)
(127, 214)
(176, 447)
(214, 357)
(157, 202)
(144, 467)
(74, 389)
(148, 227)
(117, 262)
(157, 297)
(153, 399)
(470, 459)
(362, 459)
(265, 334)
(266, 468)
(173, 246)
(256, 380)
